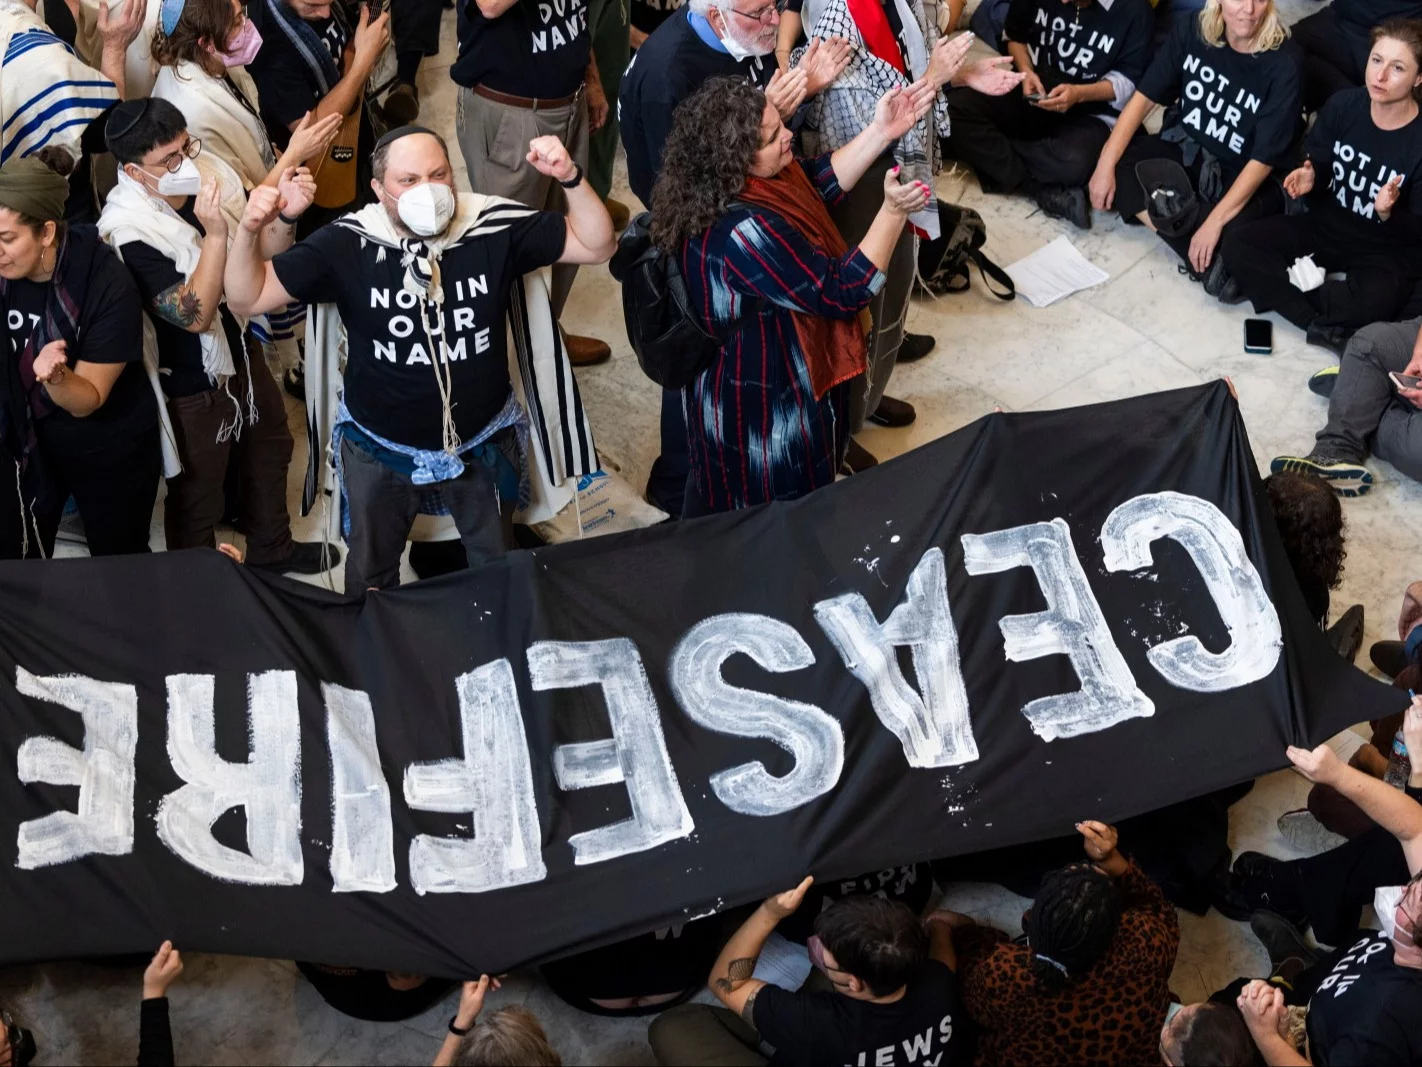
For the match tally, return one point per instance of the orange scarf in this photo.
(834, 349)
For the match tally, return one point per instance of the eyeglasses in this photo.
(765, 14)
(173, 160)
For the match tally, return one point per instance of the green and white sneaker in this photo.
(1344, 477)
(1322, 382)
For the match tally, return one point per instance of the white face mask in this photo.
(185, 181)
(1386, 898)
(426, 209)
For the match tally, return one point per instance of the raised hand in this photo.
(993, 76)
(904, 199)
(164, 968)
(783, 904)
(1388, 196)
(1317, 765)
(118, 32)
(824, 61)
(311, 138)
(787, 90)
(1299, 181)
(263, 203)
(949, 55)
(899, 109)
(298, 190)
(207, 206)
(52, 358)
(471, 1000)
(549, 157)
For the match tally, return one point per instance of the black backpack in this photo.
(673, 343)
(944, 265)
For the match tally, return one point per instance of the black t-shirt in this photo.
(1353, 159)
(1239, 107)
(672, 64)
(911, 885)
(537, 48)
(1368, 1010)
(647, 15)
(1067, 43)
(390, 384)
(1362, 15)
(924, 1026)
(180, 369)
(110, 331)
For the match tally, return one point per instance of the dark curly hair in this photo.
(1310, 522)
(1071, 924)
(715, 134)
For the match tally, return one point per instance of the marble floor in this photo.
(1146, 329)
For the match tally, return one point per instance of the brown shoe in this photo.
(620, 212)
(857, 458)
(402, 105)
(891, 412)
(586, 351)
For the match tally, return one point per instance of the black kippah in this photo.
(401, 132)
(124, 117)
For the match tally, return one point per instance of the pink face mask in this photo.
(243, 47)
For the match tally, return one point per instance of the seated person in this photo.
(1335, 40)
(1080, 63)
(1089, 981)
(510, 1035)
(1364, 216)
(1329, 891)
(1206, 1034)
(376, 996)
(1368, 411)
(892, 986)
(1364, 1001)
(1235, 78)
(641, 975)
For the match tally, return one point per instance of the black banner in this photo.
(1037, 619)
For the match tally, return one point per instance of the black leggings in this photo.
(1259, 255)
(1009, 142)
(1334, 55)
(114, 485)
(1130, 201)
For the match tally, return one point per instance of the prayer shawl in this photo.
(131, 214)
(229, 126)
(48, 96)
(562, 447)
(834, 349)
(845, 108)
(138, 66)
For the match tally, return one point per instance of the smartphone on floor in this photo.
(1405, 381)
(1259, 336)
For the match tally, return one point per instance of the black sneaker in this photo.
(914, 347)
(1333, 338)
(1346, 635)
(1064, 202)
(892, 412)
(294, 382)
(1231, 292)
(1345, 477)
(1216, 279)
(1281, 939)
(1262, 887)
(1390, 657)
(307, 557)
(1321, 382)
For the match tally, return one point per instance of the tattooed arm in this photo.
(192, 304)
(731, 979)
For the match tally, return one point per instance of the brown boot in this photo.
(620, 212)
(586, 351)
(857, 458)
(402, 105)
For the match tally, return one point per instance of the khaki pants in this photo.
(261, 453)
(702, 1034)
(493, 138)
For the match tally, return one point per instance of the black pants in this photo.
(1334, 886)
(1130, 201)
(414, 24)
(1259, 255)
(114, 485)
(1008, 141)
(1334, 55)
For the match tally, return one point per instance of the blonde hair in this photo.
(509, 1037)
(1270, 35)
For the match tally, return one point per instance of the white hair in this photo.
(705, 7)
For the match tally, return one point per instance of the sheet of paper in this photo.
(1054, 271)
(783, 963)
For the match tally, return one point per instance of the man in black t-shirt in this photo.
(226, 409)
(525, 70)
(894, 996)
(428, 418)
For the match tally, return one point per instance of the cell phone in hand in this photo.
(1031, 98)
(1259, 336)
(1405, 381)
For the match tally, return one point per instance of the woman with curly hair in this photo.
(772, 278)
(1310, 521)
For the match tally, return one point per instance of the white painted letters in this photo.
(362, 838)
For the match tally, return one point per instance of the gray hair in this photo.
(705, 7)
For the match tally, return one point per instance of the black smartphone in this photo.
(1031, 98)
(1258, 336)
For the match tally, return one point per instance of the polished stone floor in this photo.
(1144, 330)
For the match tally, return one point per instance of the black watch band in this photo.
(289, 222)
(577, 178)
(458, 1031)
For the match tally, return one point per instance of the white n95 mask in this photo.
(185, 181)
(1386, 898)
(426, 208)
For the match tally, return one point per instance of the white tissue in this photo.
(1305, 274)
